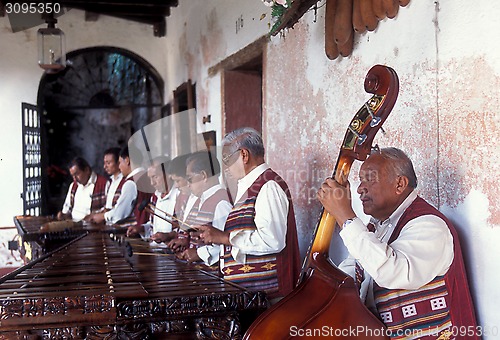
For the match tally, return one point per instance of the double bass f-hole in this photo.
(326, 296)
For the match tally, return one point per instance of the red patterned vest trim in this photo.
(118, 191)
(431, 310)
(98, 195)
(142, 180)
(276, 274)
(139, 217)
(153, 201)
(179, 208)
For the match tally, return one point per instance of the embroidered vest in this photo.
(204, 215)
(180, 206)
(118, 192)
(98, 195)
(142, 181)
(276, 274)
(153, 201)
(136, 216)
(429, 311)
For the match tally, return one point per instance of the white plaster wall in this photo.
(469, 97)
(20, 77)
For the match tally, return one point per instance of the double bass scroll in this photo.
(326, 301)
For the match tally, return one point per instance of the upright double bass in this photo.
(326, 301)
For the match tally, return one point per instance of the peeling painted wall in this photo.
(446, 116)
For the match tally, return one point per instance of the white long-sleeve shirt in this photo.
(422, 251)
(163, 204)
(82, 200)
(125, 204)
(271, 217)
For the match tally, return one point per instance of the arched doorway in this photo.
(103, 96)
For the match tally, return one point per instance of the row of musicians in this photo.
(254, 240)
(407, 262)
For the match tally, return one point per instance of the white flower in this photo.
(282, 3)
(268, 3)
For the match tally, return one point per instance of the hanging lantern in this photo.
(51, 47)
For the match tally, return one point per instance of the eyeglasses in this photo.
(225, 159)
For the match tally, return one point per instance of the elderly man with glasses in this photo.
(260, 238)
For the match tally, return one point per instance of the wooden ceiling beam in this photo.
(151, 12)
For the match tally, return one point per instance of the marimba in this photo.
(90, 288)
(34, 242)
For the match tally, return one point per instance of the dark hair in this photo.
(115, 152)
(177, 166)
(204, 161)
(80, 162)
(124, 152)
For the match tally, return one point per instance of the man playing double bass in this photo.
(407, 261)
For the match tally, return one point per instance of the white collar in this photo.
(173, 193)
(247, 181)
(205, 195)
(91, 181)
(118, 177)
(135, 172)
